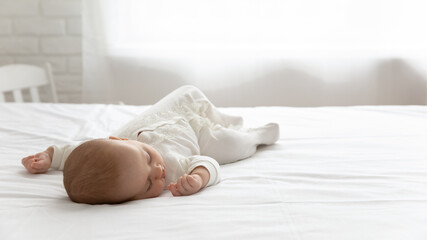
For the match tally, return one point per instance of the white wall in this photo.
(36, 31)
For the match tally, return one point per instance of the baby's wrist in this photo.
(202, 175)
(49, 152)
(198, 178)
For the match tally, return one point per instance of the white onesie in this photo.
(188, 131)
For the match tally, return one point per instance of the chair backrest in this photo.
(17, 77)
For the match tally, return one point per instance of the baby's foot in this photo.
(267, 134)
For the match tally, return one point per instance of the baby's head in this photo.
(113, 171)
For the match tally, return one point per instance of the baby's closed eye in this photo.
(149, 185)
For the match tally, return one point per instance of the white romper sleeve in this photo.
(209, 163)
(60, 155)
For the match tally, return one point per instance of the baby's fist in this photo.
(38, 163)
(186, 185)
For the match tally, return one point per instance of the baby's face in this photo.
(142, 170)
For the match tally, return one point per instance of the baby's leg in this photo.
(223, 119)
(189, 95)
(227, 145)
(194, 94)
(183, 96)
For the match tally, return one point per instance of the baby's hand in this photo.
(186, 185)
(38, 163)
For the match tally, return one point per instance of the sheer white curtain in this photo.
(257, 52)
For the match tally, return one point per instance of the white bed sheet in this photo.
(336, 173)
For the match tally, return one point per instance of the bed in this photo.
(336, 173)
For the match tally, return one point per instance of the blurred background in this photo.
(239, 52)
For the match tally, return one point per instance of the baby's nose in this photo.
(159, 172)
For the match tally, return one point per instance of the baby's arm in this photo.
(190, 184)
(199, 172)
(53, 157)
(39, 162)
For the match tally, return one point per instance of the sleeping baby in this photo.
(177, 144)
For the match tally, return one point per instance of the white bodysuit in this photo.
(188, 131)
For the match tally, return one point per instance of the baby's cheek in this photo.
(158, 193)
(159, 189)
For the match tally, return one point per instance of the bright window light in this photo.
(266, 27)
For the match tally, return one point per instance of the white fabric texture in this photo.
(60, 154)
(345, 173)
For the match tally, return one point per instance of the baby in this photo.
(177, 144)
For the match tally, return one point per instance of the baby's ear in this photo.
(116, 138)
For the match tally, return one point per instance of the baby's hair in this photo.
(90, 174)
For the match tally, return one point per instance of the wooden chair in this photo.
(17, 77)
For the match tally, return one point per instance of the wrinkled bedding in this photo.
(336, 173)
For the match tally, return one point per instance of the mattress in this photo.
(336, 173)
